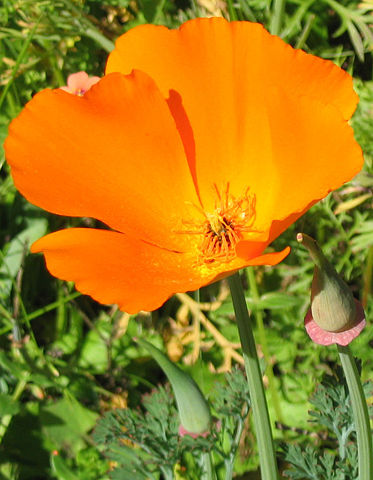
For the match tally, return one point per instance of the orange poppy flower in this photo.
(198, 148)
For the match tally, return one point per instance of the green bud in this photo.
(332, 303)
(193, 409)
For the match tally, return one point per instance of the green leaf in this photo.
(151, 9)
(12, 260)
(94, 353)
(66, 421)
(8, 406)
(356, 40)
(276, 301)
(16, 369)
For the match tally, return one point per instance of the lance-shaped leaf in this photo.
(192, 406)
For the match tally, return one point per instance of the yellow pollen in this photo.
(224, 227)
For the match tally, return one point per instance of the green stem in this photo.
(263, 341)
(36, 313)
(360, 412)
(60, 311)
(100, 39)
(262, 425)
(277, 16)
(367, 277)
(158, 12)
(231, 11)
(167, 473)
(306, 31)
(229, 462)
(19, 60)
(208, 469)
(5, 421)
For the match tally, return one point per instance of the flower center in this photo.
(224, 227)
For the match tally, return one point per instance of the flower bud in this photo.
(193, 409)
(332, 304)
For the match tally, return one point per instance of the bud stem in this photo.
(208, 469)
(313, 249)
(267, 456)
(360, 412)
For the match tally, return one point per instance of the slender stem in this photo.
(360, 412)
(158, 11)
(208, 469)
(19, 59)
(229, 465)
(229, 462)
(262, 425)
(263, 341)
(277, 16)
(306, 31)
(100, 39)
(367, 277)
(5, 421)
(231, 11)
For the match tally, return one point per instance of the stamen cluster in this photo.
(223, 228)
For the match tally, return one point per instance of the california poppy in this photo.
(198, 147)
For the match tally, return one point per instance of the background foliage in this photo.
(66, 360)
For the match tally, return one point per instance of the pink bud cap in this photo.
(183, 432)
(324, 337)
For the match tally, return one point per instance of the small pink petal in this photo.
(91, 81)
(183, 432)
(76, 80)
(323, 337)
(78, 83)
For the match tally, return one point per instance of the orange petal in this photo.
(249, 255)
(252, 253)
(114, 268)
(313, 153)
(272, 258)
(114, 154)
(217, 75)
